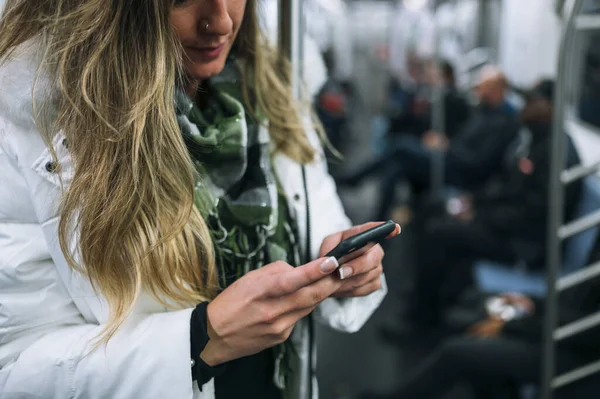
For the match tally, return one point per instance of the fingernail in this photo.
(329, 265)
(345, 272)
(398, 229)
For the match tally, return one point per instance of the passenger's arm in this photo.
(47, 340)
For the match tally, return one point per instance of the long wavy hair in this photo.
(114, 66)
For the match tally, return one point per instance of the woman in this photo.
(134, 232)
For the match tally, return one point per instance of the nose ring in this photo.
(206, 26)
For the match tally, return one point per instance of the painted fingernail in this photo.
(345, 272)
(329, 265)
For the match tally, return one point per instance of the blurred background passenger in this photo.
(493, 203)
(414, 115)
(469, 161)
(456, 106)
(500, 354)
(505, 221)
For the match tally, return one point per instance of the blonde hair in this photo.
(116, 66)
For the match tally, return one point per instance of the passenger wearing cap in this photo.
(505, 222)
(470, 159)
(501, 353)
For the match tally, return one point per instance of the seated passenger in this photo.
(456, 107)
(403, 93)
(411, 114)
(500, 354)
(470, 160)
(505, 223)
(416, 116)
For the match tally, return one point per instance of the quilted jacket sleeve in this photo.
(49, 321)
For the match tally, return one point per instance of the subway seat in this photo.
(493, 277)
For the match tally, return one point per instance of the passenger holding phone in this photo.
(162, 204)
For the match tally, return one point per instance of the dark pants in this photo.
(408, 161)
(446, 250)
(494, 368)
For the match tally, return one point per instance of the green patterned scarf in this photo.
(237, 191)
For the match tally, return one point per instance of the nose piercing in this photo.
(206, 26)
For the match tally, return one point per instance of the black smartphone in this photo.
(351, 247)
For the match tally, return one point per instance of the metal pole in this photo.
(291, 39)
(438, 167)
(555, 215)
(438, 124)
(482, 17)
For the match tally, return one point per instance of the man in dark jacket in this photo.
(474, 156)
(506, 222)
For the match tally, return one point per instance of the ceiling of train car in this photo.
(435, 3)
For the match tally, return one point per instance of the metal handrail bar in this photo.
(587, 22)
(576, 375)
(579, 225)
(556, 195)
(579, 172)
(576, 278)
(577, 327)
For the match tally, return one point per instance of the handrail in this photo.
(579, 172)
(556, 194)
(579, 225)
(576, 375)
(588, 22)
(291, 39)
(577, 327)
(573, 279)
(438, 124)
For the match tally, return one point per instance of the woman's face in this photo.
(207, 30)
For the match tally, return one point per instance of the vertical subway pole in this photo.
(438, 123)
(291, 39)
(556, 194)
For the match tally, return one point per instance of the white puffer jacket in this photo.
(49, 314)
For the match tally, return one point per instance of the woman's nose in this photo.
(217, 20)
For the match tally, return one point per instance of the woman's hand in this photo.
(362, 275)
(260, 310)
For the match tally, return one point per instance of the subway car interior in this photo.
(475, 125)
(399, 73)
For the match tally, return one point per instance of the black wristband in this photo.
(201, 371)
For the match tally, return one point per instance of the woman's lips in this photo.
(207, 52)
